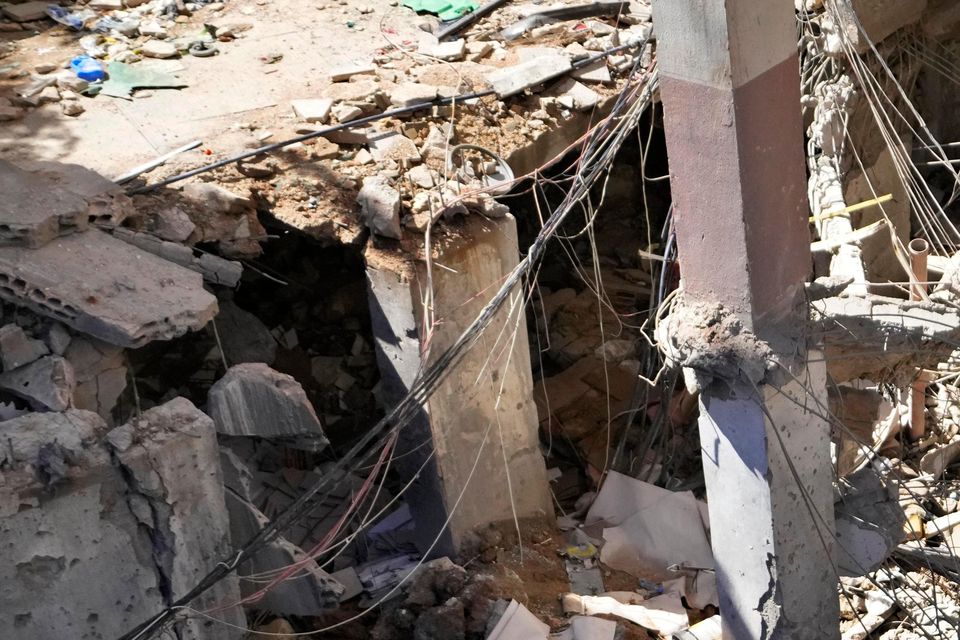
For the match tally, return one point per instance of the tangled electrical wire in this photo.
(599, 150)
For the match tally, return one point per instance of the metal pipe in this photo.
(455, 28)
(156, 162)
(919, 249)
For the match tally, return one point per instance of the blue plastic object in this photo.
(87, 69)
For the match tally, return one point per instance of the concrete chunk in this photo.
(139, 533)
(26, 435)
(408, 94)
(47, 384)
(17, 349)
(350, 69)
(101, 374)
(159, 49)
(213, 268)
(380, 206)
(34, 211)
(448, 51)
(102, 286)
(510, 81)
(593, 72)
(243, 337)
(575, 95)
(391, 145)
(252, 399)
(312, 109)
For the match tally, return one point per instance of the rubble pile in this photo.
(182, 366)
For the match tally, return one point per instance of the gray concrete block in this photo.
(34, 210)
(243, 337)
(18, 349)
(101, 374)
(47, 384)
(309, 594)
(252, 399)
(213, 268)
(380, 206)
(510, 81)
(99, 285)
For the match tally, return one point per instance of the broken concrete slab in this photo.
(510, 81)
(309, 594)
(174, 479)
(213, 268)
(99, 285)
(408, 94)
(870, 521)
(140, 539)
(34, 211)
(360, 90)
(18, 349)
(101, 375)
(574, 95)
(159, 49)
(593, 72)
(47, 384)
(107, 203)
(25, 436)
(380, 206)
(449, 51)
(312, 109)
(390, 145)
(876, 337)
(252, 399)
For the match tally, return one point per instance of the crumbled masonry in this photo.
(551, 321)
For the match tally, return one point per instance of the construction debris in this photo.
(140, 530)
(337, 269)
(252, 399)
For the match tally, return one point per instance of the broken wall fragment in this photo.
(142, 528)
(252, 399)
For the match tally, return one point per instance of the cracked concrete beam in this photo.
(883, 338)
(104, 287)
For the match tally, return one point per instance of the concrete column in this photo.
(730, 89)
(468, 410)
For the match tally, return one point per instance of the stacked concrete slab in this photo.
(83, 277)
(102, 529)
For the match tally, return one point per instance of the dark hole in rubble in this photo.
(312, 299)
(585, 351)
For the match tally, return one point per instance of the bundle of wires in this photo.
(600, 147)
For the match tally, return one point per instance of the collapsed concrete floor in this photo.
(186, 366)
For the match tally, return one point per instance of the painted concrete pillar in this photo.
(730, 89)
(482, 421)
